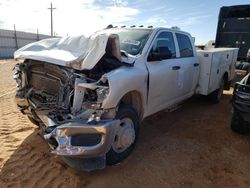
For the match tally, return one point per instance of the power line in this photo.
(51, 18)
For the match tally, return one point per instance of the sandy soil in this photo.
(191, 147)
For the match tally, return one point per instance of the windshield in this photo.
(132, 40)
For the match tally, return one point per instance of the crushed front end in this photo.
(67, 105)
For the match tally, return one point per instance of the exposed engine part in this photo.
(78, 95)
(56, 94)
(64, 94)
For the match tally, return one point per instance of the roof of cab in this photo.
(155, 29)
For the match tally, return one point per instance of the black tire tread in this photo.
(124, 110)
(238, 125)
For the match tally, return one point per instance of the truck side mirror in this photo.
(163, 53)
(154, 56)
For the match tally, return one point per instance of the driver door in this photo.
(163, 70)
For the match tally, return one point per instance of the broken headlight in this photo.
(102, 93)
(17, 75)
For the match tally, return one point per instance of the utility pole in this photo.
(15, 36)
(37, 34)
(51, 18)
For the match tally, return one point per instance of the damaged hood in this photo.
(78, 52)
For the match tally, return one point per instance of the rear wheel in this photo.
(215, 97)
(126, 135)
(238, 125)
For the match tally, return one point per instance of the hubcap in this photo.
(125, 135)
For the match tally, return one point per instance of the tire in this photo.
(238, 125)
(215, 97)
(127, 115)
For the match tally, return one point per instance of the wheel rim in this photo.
(125, 135)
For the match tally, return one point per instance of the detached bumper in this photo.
(76, 139)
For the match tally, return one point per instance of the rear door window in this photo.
(185, 45)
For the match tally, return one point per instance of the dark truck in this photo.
(241, 106)
(233, 29)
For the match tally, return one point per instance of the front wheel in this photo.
(126, 135)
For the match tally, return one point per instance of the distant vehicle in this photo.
(210, 44)
(241, 101)
(233, 29)
(244, 65)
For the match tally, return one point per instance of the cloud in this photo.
(91, 17)
(156, 21)
(171, 18)
(1, 23)
(73, 18)
(193, 20)
(115, 3)
(162, 9)
(87, 16)
(119, 14)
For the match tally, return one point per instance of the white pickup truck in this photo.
(89, 95)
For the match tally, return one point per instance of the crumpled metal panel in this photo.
(62, 134)
(77, 52)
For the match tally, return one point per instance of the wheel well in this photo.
(134, 99)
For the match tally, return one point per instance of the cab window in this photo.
(185, 46)
(163, 47)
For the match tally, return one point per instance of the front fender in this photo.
(123, 80)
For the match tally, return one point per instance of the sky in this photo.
(77, 17)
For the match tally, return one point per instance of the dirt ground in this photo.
(191, 147)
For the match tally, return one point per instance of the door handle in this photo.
(196, 64)
(176, 67)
